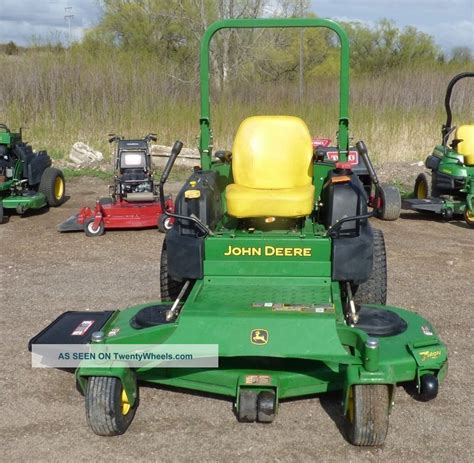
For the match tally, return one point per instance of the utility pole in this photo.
(301, 83)
(68, 17)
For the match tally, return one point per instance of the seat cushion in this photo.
(252, 202)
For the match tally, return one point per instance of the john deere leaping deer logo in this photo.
(259, 336)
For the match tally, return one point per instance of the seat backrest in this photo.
(272, 152)
(466, 134)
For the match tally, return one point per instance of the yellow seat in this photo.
(466, 146)
(272, 168)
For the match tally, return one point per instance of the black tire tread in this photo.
(103, 408)
(161, 223)
(169, 288)
(247, 412)
(422, 177)
(47, 186)
(374, 290)
(391, 203)
(371, 407)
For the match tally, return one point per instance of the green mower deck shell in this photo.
(36, 201)
(315, 361)
(306, 353)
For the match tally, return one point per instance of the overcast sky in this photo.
(451, 22)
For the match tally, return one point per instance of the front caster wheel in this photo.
(428, 389)
(165, 223)
(266, 406)
(247, 407)
(108, 409)
(90, 230)
(367, 414)
(447, 214)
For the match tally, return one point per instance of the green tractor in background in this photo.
(27, 180)
(273, 261)
(449, 187)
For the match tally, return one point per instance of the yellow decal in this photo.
(429, 355)
(268, 251)
(259, 336)
(192, 194)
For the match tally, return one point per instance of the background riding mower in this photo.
(449, 187)
(271, 258)
(133, 201)
(389, 202)
(27, 180)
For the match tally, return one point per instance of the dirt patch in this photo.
(401, 174)
(42, 415)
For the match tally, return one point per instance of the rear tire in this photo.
(108, 412)
(391, 203)
(374, 290)
(422, 188)
(169, 288)
(1, 214)
(53, 186)
(469, 217)
(367, 414)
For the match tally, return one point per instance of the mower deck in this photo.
(424, 205)
(445, 207)
(325, 355)
(119, 214)
(29, 200)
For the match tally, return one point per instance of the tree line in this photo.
(170, 31)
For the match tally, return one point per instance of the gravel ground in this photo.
(42, 416)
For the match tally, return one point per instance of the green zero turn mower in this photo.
(273, 259)
(27, 180)
(448, 189)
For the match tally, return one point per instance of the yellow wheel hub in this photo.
(124, 402)
(58, 188)
(421, 191)
(469, 215)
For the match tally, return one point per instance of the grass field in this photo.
(61, 98)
